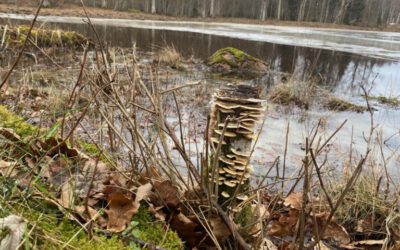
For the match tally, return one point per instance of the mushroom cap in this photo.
(242, 197)
(229, 183)
(244, 132)
(216, 140)
(240, 153)
(225, 194)
(227, 133)
(240, 167)
(232, 172)
(248, 100)
(226, 160)
(230, 106)
(250, 136)
(226, 111)
(229, 125)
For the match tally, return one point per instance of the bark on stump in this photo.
(237, 109)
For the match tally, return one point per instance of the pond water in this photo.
(341, 59)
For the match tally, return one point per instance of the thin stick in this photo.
(23, 46)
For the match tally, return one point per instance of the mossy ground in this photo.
(17, 123)
(48, 227)
(154, 232)
(43, 37)
(239, 55)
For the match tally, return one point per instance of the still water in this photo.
(341, 59)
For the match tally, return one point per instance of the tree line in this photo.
(353, 12)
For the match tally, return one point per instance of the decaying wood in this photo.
(235, 111)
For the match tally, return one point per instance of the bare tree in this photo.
(153, 6)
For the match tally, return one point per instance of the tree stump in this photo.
(235, 111)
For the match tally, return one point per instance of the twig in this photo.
(23, 46)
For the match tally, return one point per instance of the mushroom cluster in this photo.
(235, 111)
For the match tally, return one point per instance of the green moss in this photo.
(245, 216)
(10, 120)
(92, 150)
(239, 56)
(152, 231)
(245, 219)
(49, 231)
(44, 37)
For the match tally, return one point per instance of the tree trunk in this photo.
(153, 6)
(212, 8)
(342, 11)
(279, 9)
(264, 9)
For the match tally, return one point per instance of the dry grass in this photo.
(337, 104)
(169, 56)
(367, 208)
(300, 94)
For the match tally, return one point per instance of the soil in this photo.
(75, 10)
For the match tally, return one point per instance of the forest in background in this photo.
(372, 13)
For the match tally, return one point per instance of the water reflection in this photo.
(332, 68)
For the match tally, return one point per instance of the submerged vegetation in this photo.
(337, 104)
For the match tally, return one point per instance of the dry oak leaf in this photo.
(337, 233)
(166, 194)
(122, 208)
(219, 229)
(150, 174)
(285, 225)
(333, 231)
(294, 200)
(7, 169)
(191, 232)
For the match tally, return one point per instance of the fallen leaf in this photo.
(122, 208)
(120, 212)
(191, 232)
(55, 146)
(219, 229)
(142, 192)
(10, 134)
(337, 233)
(150, 174)
(294, 200)
(285, 225)
(7, 169)
(166, 195)
(16, 227)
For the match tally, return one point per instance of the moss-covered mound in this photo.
(41, 37)
(232, 61)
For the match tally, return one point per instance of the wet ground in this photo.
(343, 60)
